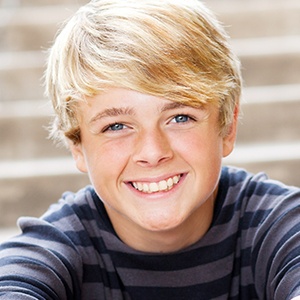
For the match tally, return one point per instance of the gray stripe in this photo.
(39, 274)
(180, 278)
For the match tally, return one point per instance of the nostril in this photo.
(153, 149)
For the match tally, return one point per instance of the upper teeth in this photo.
(153, 187)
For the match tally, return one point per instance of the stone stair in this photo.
(34, 172)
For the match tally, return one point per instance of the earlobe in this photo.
(78, 156)
(229, 139)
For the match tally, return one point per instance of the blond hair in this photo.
(175, 49)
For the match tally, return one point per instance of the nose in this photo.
(153, 147)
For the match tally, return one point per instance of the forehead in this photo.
(118, 101)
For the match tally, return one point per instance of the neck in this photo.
(172, 240)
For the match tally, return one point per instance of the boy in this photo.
(146, 95)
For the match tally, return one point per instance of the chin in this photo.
(162, 225)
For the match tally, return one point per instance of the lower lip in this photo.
(160, 194)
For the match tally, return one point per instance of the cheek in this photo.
(204, 154)
(199, 145)
(107, 159)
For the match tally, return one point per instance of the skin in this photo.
(128, 137)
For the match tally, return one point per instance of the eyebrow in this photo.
(112, 112)
(118, 111)
(172, 105)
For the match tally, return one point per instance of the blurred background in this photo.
(34, 173)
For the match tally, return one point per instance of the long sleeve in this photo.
(276, 254)
(29, 271)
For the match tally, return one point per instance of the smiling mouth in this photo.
(155, 187)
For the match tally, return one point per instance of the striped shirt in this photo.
(251, 251)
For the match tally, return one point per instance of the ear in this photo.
(78, 156)
(230, 137)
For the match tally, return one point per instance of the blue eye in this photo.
(116, 127)
(181, 118)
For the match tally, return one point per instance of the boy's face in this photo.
(153, 162)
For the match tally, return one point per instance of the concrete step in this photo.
(29, 187)
(31, 28)
(30, 3)
(281, 161)
(258, 18)
(31, 25)
(6, 233)
(20, 75)
(261, 64)
(269, 114)
(269, 61)
(23, 130)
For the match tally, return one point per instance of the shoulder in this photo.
(254, 199)
(72, 205)
(75, 219)
(267, 217)
(50, 248)
(242, 185)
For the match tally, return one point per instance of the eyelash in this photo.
(111, 126)
(187, 118)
